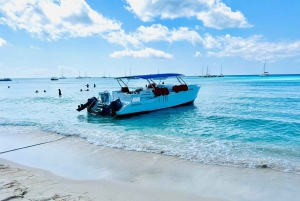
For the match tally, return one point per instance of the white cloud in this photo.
(62, 67)
(54, 19)
(210, 42)
(34, 47)
(253, 48)
(213, 13)
(22, 72)
(154, 33)
(2, 42)
(145, 53)
(198, 54)
(69, 71)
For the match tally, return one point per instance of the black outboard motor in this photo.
(90, 103)
(111, 108)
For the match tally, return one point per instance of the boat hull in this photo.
(146, 112)
(160, 102)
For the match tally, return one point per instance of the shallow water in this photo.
(244, 121)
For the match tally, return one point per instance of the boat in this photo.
(54, 78)
(62, 75)
(264, 73)
(208, 75)
(156, 95)
(5, 79)
(221, 75)
(79, 77)
(86, 75)
(104, 75)
(202, 73)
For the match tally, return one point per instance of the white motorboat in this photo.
(154, 96)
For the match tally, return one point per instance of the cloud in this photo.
(213, 13)
(253, 48)
(153, 33)
(145, 53)
(62, 67)
(22, 72)
(55, 19)
(34, 47)
(2, 42)
(198, 54)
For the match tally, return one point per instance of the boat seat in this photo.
(178, 88)
(125, 89)
(152, 85)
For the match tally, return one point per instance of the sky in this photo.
(42, 38)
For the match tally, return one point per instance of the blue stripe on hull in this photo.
(146, 112)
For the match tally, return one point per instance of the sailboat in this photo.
(202, 73)
(79, 77)
(207, 72)
(221, 75)
(86, 75)
(62, 75)
(104, 75)
(265, 73)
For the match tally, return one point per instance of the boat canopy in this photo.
(152, 76)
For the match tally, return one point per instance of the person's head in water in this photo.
(37, 91)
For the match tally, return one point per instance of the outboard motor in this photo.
(115, 106)
(90, 103)
(111, 108)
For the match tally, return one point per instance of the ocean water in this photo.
(241, 121)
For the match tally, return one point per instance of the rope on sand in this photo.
(32, 145)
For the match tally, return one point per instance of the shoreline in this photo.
(72, 166)
(23, 182)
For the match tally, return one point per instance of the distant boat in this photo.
(208, 73)
(221, 75)
(104, 75)
(265, 73)
(5, 79)
(54, 78)
(86, 75)
(62, 75)
(202, 73)
(79, 77)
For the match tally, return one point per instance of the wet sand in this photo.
(73, 169)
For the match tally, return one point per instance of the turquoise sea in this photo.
(242, 121)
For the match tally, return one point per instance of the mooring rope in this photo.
(32, 145)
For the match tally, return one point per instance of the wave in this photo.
(208, 150)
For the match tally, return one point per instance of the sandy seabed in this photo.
(73, 169)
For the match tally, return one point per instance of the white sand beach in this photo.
(73, 169)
